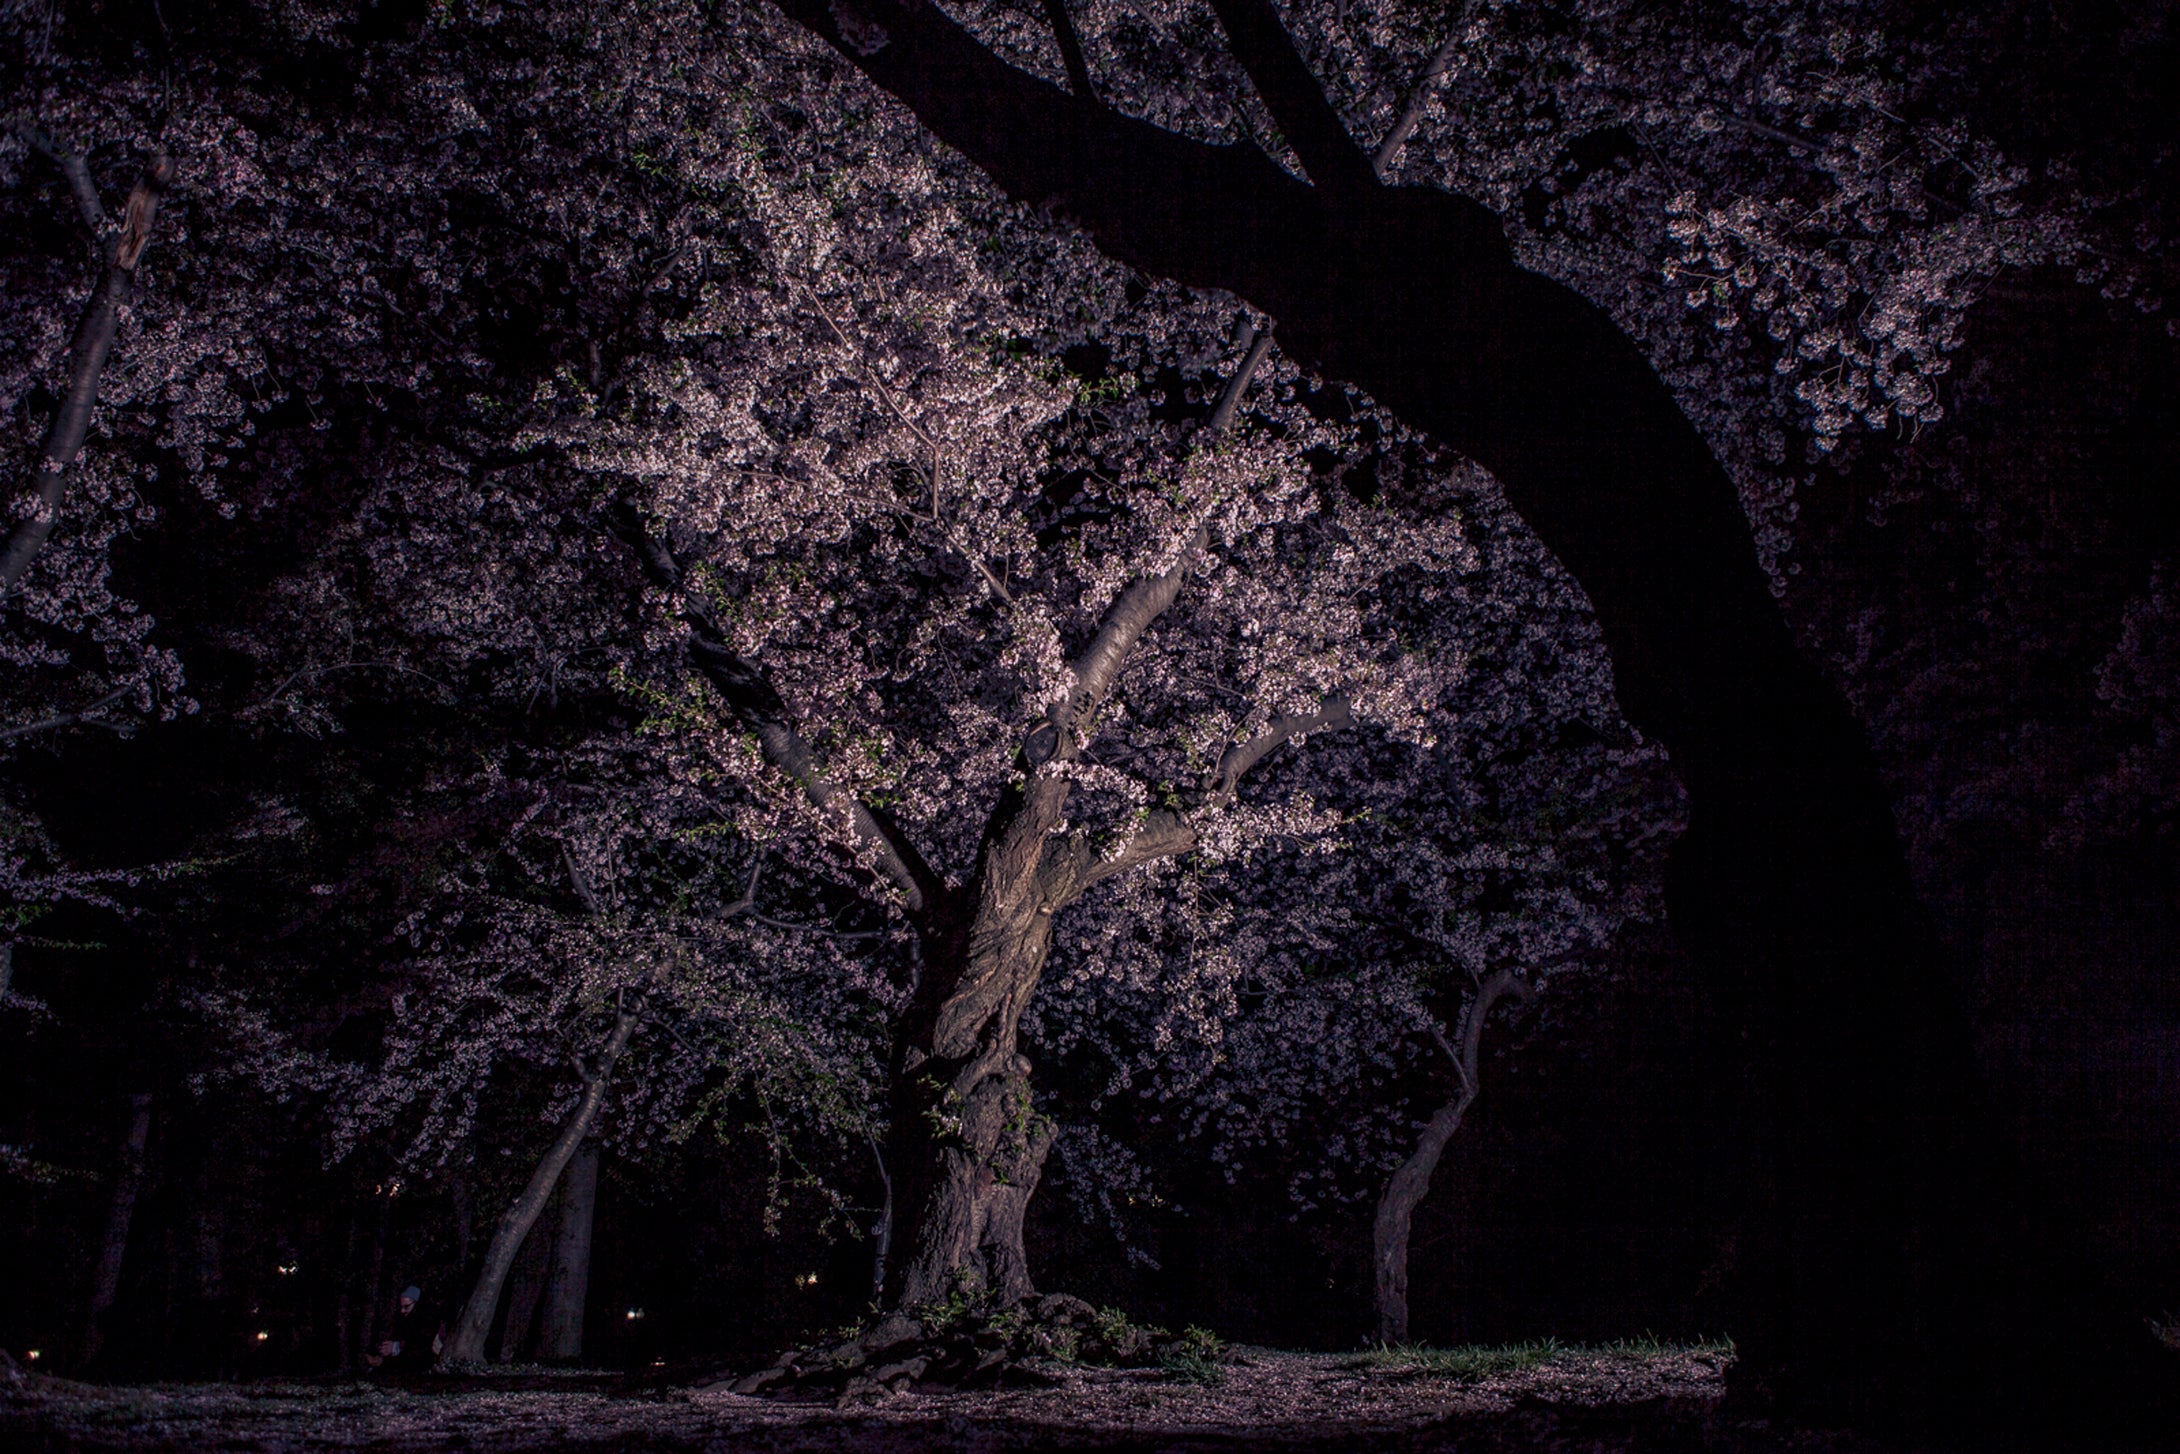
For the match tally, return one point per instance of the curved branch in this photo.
(1335, 713)
(1166, 833)
(1142, 603)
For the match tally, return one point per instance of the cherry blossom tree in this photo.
(898, 431)
(1790, 884)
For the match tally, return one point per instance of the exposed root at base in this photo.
(966, 1346)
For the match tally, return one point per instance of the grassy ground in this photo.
(1481, 1360)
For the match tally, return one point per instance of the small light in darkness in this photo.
(32, 1354)
(262, 1335)
(634, 1314)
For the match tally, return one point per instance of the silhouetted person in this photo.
(412, 1344)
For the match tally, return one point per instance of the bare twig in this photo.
(818, 929)
(886, 396)
(82, 715)
(757, 705)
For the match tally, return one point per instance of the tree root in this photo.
(960, 1345)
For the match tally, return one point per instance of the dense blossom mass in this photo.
(766, 537)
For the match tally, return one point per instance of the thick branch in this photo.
(1238, 759)
(1260, 344)
(72, 167)
(742, 685)
(1165, 833)
(1411, 115)
(1063, 31)
(86, 360)
(1293, 96)
(1130, 615)
(1142, 603)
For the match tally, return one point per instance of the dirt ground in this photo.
(1261, 1399)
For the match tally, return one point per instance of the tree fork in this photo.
(1411, 1181)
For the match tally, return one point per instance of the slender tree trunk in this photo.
(1396, 1210)
(563, 1335)
(525, 1289)
(344, 1305)
(86, 360)
(1405, 1192)
(128, 1178)
(881, 1232)
(467, 1345)
(375, 1320)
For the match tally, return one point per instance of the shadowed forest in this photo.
(1120, 724)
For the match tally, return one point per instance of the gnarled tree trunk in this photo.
(967, 1143)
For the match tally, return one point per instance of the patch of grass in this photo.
(1473, 1360)
(1481, 1360)
(1649, 1345)
(1194, 1356)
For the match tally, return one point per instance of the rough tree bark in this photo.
(114, 1244)
(467, 1343)
(1790, 888)
(562, 1337)
(1405, 1191)
(86, 355)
